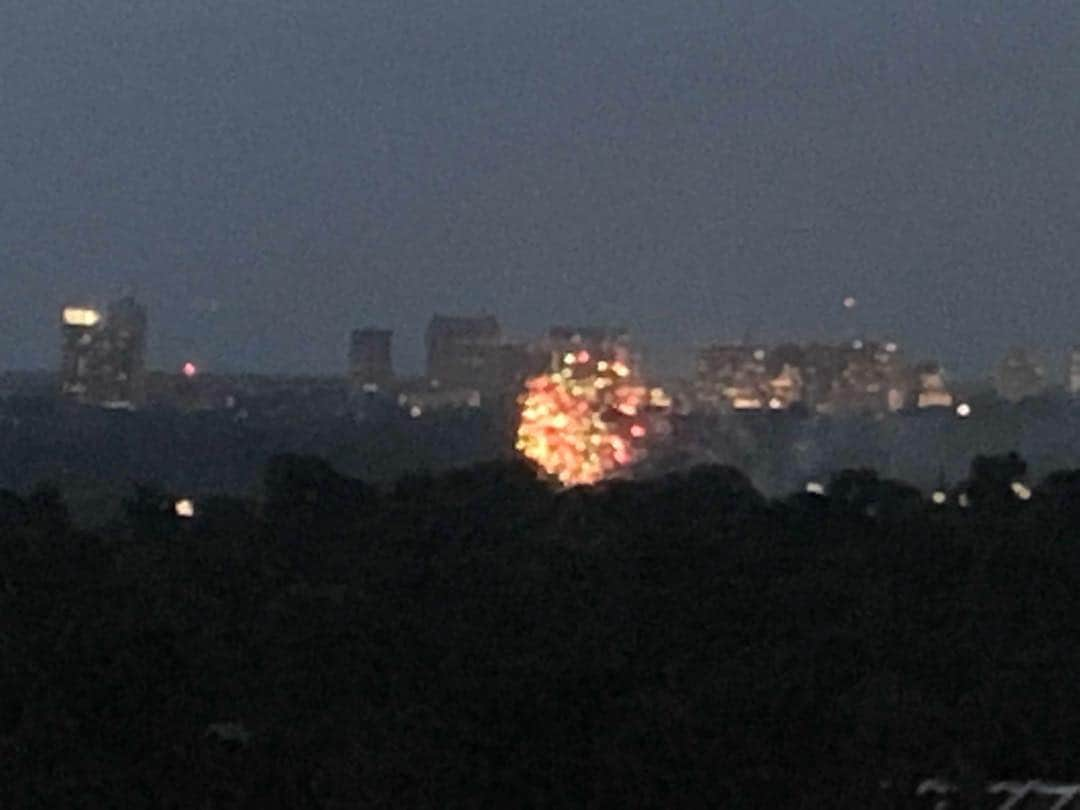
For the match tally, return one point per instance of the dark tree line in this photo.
(477, 639)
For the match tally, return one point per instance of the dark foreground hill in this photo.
(476, 640)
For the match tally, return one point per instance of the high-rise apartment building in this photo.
(459, 349)
(103, 360)
(470, 353)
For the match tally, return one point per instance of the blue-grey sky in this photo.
(267, 174)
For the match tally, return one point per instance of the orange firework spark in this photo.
(587, 419)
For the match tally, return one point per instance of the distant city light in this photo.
(815, 488)
(850, 302)
(963, 410)
(746, 404)
(964, 500)
(939, 497)
(185, 508)
(1021, 490)
(891, 348)
(79, 316)
(190, 370)
(856, 344)
(776, 404)
(759, 354)
(416, 411)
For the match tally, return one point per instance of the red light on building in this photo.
(190, 370)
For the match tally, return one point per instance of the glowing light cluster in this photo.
(1021, 490)
(588, 418)
(80, 316)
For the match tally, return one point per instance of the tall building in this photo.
(82, 333)
(371, 367)
(469, 354)
(459, 349)
(103, 359)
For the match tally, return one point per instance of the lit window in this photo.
(78, 316)
(939, 498)
(185, 508)
(746, 403)
(963, 410)
(815, 488)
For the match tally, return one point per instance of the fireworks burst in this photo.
(588, 418)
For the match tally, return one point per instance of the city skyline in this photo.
(675, 360)
(266, 177)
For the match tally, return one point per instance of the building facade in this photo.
(459, 349)
(858, 377)
(371, 367)
(469, 354)
(103, 356)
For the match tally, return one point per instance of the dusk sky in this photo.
(268, 174)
